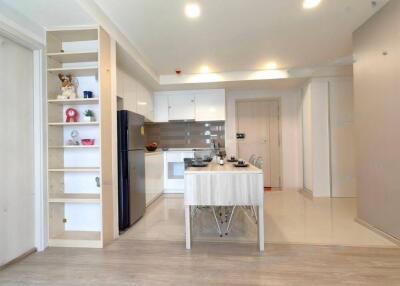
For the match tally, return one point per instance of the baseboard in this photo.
(307, 193)
(154, 199)
(173, 191)
(393, 239)
(19, 258)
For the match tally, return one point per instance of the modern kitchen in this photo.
(199, 142)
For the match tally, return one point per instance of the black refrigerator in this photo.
(131, 172)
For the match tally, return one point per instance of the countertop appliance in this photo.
(131, 168)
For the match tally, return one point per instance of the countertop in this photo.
(226, 168)
(157, 152)
(189, 149)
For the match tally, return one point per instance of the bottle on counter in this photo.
(221, 160)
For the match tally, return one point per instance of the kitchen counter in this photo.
(157, 152)
(226, 168)
(189, 149)
(225, 185)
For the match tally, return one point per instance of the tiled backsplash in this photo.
(185, 134)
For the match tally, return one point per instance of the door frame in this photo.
(39, 122)
(279, 101)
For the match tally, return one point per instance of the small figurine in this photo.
(74, 138)
(72, 115)
(67, 87)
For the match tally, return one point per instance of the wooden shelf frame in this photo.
(78, 101)
(73, 123)
(74, 198)
(61, 178)
(87, 239)
(74, 57)
(76, 169)
(72, 147)
(76, 71)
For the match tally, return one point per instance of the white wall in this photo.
(343, 171)
(307, 140)
(17, 181)
(328, 155)
(136, 97)
(316, 152)
(377, 117)
(290, 101)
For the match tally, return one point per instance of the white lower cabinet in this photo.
(154, 168)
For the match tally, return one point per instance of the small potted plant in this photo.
(88, 116)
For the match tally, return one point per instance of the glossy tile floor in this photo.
(152, 252)
(290, 217)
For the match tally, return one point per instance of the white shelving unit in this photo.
(79, 196)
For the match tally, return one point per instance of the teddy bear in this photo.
(67, 87)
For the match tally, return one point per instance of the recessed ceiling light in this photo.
(205, 69)
(310, 4)
(192, 10)
(271, 66)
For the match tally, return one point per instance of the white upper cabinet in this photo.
(136, 97)
(199, 105)
(181, 106)
(160, 108)
(210, 105)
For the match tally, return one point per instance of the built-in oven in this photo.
(174, 168)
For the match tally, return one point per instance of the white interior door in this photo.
(17, 224)
(259, 121)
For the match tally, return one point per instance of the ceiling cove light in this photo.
(192, 10)
(310, 4)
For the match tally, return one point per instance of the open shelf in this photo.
(73, 123)
(79, 219)
(76, 71)
(77, 101)
(74, 57)
(75, 147)
(75, 34)
(76, 239)
(73, 198)
(75, 169)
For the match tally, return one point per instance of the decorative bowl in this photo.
(151, 147)
(87, 141)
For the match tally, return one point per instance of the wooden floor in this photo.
(128, 262)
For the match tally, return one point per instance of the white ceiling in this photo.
(237, 35)
(51, 13)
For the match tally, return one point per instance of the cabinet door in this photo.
(161, 108)
(181, 107)
(210, 106)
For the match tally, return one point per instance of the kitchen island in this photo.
(224, 185)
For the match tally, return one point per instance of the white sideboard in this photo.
(154, 175)
(198, 105)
